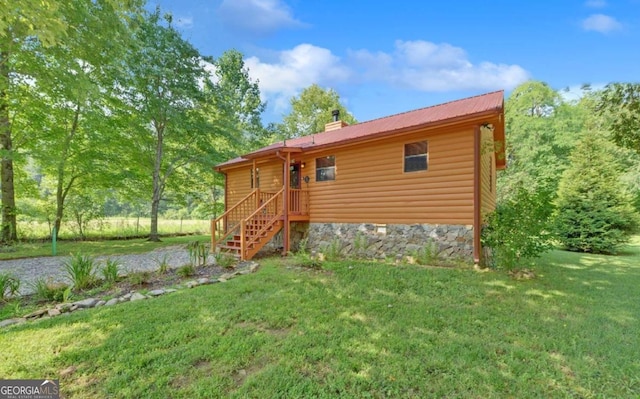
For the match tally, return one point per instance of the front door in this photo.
(294, 184)
(294, 175)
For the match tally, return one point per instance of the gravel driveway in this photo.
(51, 267)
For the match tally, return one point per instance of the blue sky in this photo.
(386, 57)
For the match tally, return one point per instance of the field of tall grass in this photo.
(112, 227)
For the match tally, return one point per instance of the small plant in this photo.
(186, 270)
(163, 267)
(110, 271)
(48, 290)
(67, 294)
(197, 253)
(80, 269)
(225, 259)
(360, 244)
(9, 286)
(333, 251)
(427, 255)
(139, 278)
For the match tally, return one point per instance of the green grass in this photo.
(356, 330)
(96, 248)
(117, 227)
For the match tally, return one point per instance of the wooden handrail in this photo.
(227, 231)
(261, 211)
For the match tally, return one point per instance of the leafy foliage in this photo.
(310, 111)
(186, 270)
(198, 253)
(519, 229)
(620, 102)
(47, 290)
(111, 270)
(594, 211)
(81, 271)
(9, 286)
(225, 259)
(428, 254)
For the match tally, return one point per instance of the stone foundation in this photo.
(385, 240)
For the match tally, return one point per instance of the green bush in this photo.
(80, 269)
(110, 271)
(332, 251)
(48, 290)
(225, 259)
(428, 254)
(519, 229)
(139, 278)
(9, 286)
(186, 270)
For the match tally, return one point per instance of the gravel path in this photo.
(51, 267)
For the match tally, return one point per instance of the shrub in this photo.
(110, 271)
(428, 254)
(360, 244)
(519, 229)
(186, 270)
(9, 286)
(332, 251)
(139, 278)
(80, 269)
(225, 259)
(48, 290)
(163, 265)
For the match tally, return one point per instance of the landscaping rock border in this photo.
(68, 307)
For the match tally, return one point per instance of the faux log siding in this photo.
(372, 187)
(487, 174)
(238, 185)
(239, 180)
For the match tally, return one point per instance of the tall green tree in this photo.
(310, 111)
(620, 103)
(594, 211)
(167, 88)
(26, 28)
(541, 131)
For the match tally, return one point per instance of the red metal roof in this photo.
(483, 104)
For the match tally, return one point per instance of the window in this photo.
(415, 156)
(326, 168)
(257, 178)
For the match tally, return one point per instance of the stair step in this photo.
(228, 247)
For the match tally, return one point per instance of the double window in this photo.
(326, 168)
(416, 156)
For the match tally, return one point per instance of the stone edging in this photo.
(66, 308)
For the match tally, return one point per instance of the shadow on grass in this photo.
(358, 329)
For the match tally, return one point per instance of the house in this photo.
(392, 183)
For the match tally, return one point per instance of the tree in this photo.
(594, 211)
(170, 134)
(238, 101)
(620, 103)
(311, 110)
(25, 26)
(541, 130)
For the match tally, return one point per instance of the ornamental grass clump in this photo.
(81, 271)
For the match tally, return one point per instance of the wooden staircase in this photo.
(249, 225)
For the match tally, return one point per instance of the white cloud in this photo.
(257, 16)
(601, 23)
(426, 66)
(296, 69)
(596, 3)
(184, 22)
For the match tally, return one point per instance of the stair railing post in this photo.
(243, 239)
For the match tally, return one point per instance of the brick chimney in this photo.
(336, 124)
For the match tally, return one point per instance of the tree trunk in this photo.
(157, 186)
(9, 231)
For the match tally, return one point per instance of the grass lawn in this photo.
(104, 247)
(355, 329)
